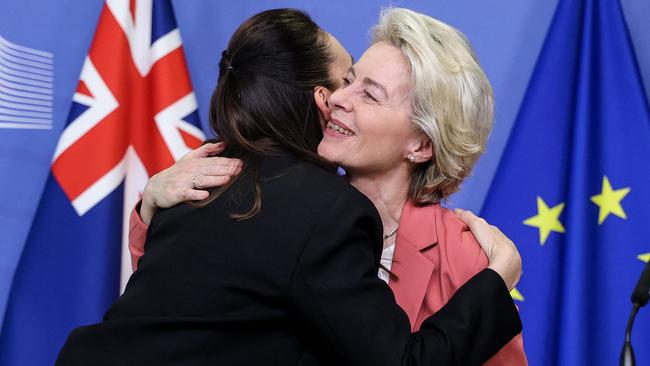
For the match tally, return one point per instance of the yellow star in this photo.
(546, 220)
(644, 257)
(609, 201)
(516, 295)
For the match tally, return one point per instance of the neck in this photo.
(388, 192)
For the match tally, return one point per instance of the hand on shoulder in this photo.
(188, 179)
(502, 253)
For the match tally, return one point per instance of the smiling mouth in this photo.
(341, 130)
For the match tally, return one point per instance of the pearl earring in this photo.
(411, 157)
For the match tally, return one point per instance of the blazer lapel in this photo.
(411, 270)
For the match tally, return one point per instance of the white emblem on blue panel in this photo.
(26, 87)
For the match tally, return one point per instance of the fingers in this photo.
(201, 182)
(481, 228)
(208, 149)
(213, 172)
(215, 148)
(220, 166)
(502, 254)
(188, 178)
(193, 195)
(202, 161)
(471, 220)
(500, 236)
(482, 231)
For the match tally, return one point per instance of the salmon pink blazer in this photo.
(435, 254)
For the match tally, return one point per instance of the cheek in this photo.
(383, 136)
(383, 147)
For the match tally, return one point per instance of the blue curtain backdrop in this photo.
(573, 188)
(507, 36)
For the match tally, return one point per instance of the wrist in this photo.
(147, 207)
(508, 271)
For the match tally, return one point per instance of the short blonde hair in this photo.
(451, 102)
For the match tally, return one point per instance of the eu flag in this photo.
(573, 190)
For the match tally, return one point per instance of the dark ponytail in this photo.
(264, 100)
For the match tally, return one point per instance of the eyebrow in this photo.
(369, 81)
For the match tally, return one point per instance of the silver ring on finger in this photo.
(194, 185)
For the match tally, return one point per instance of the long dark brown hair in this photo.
(264, 101)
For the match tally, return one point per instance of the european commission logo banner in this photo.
(26, 83)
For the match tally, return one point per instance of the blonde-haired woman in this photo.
(408, 126)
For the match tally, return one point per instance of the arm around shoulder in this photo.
(336, 292)
(485, 305)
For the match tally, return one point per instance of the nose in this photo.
(341, 100)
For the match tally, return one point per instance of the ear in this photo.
(322, 96)
(421, 151)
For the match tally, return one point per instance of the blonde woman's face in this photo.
(370, 130)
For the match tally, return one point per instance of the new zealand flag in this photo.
(132, 115)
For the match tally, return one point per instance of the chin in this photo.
(326, 152)
(323, 151)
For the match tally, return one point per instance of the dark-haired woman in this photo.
(279, 266)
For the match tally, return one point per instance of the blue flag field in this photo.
(573, 191)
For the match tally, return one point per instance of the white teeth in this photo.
(339, 129)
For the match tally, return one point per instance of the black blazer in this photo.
(295, 285)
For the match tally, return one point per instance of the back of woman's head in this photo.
(264, 98)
